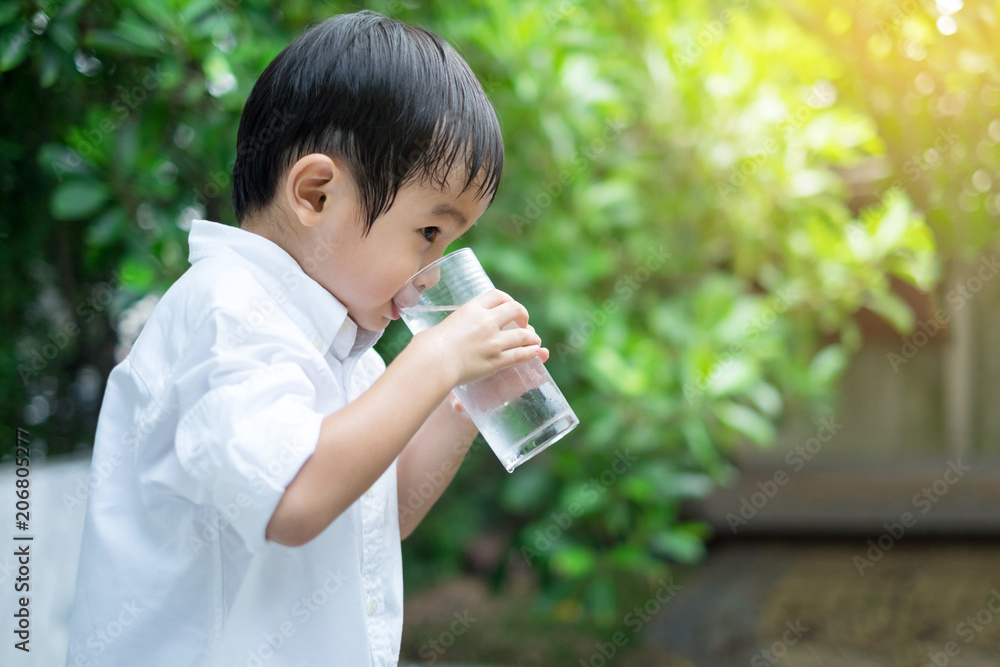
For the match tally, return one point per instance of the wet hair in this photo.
(395, 102)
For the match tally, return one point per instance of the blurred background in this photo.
(757, 237)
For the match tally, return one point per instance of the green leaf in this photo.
(827, 365)
(893, 309)
(629, 556)
(194, 9)
(77, 199)
(137, 274)
(14, 43)
(700, 529)
(49, 67)
(746, 421)
(583, 497)
(60, 160)
(106, 41)
(156, 12)
(767, 398)
(601, 593)
(730, 376)
(639, 489)
(65, 34)
(892, 225)
(525, 491)
(699, 442)
(573, 562)
(618, 372)
(688, 485)
(70, 9)
(107, 228)
(137, 32)
(128, 145)
(680, 545)
(8, 11)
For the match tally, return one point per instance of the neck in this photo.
(275, 228)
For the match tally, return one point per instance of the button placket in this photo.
(372, 522)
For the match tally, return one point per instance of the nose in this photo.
(409, 294)
(427, 278)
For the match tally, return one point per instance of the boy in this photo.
(254, 443)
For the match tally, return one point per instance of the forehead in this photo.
(452, 188)
(448, 206)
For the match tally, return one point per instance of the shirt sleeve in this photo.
(247, 420)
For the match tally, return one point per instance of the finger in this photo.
(543, 354)
(517, 355)
(511, 311)
(520, 338)
(492, 298)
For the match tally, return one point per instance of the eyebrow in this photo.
(448, 209)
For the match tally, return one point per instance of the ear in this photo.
(313, 183)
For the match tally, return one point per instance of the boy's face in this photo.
(365, 272)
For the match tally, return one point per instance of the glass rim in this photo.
(439, 261)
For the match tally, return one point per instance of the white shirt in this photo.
(203, 424)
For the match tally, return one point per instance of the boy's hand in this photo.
(456, 405)
(471, 343)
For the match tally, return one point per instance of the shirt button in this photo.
(343, 327)
(317, 343)
(372, 606)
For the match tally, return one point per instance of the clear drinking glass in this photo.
(519, 410)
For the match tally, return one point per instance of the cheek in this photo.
(406, 272)
(379, 286)
(393, 280)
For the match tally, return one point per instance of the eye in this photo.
(430, 233)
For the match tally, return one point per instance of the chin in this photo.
(375, 323)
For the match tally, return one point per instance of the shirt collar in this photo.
(314, 310)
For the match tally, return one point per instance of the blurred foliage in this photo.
(698, 199)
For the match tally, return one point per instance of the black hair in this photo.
(395, 102)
